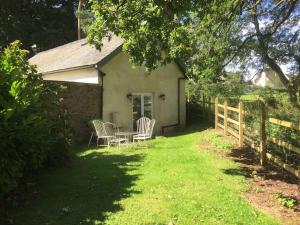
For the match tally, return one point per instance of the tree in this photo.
(84, 17)
(207, 35)
(33, 128)
(78, 20)
(180, 29)
(268, 37)
(46, 23)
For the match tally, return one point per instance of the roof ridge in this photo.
(60, 46)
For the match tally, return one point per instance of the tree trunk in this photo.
(263, 47)
(78, 19)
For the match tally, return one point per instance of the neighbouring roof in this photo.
(76, 54)
(269, 78)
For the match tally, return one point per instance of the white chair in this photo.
(149, 126)
(98, 130)
(142, 125)
(107, 132)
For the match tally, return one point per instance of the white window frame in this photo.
(142, 94)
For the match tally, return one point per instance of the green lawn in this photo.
(174, 181)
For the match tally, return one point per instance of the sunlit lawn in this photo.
(173, 181)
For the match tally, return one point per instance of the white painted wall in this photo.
(86, 75)
(270, 79)
(262, 81)
(121, 79)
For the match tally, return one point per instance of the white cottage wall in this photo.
(121, 80)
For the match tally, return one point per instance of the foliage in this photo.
(84, 15)
(268, 38)
(277, 106)
(230, 86)
(208, 36)
(44, 23)
(156, 32)
(286, 201)
(173, 180)
(32, 126)
(192, 91)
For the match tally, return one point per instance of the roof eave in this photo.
(69, 69)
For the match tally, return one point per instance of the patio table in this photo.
(126, 134)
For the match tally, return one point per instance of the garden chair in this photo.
(97, 126)
(107, 132)
(142, 125)
(147, 134)
(111, 139)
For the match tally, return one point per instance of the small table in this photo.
(126, 134)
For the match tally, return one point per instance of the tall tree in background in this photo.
(269, 37)
(84, 17)
(208, 36)
(46, 23)
(78, 19)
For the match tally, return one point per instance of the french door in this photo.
(142, 105)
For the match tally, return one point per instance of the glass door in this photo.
(142, 105)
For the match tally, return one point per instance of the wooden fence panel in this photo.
(261, 133)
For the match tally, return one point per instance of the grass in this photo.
(171, 182)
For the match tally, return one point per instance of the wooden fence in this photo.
(263, 138)
(207, 105)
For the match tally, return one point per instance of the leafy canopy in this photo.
(156, 32)
(45, 23)
(208, 36)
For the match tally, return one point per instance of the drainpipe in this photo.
(178, 107)
(101, 83)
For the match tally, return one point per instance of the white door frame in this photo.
(142, 94)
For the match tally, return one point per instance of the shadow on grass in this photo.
(85, 193)
(249, 167)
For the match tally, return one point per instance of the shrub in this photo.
(33, 128)
(285, 200)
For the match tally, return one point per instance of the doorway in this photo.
(142, 104)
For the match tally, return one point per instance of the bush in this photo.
(33, 128)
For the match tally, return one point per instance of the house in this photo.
(103, 84)
(269, 78)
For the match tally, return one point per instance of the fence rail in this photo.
(263, 138)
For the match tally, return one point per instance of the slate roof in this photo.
(75, 54)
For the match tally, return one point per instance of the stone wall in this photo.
(83, 103)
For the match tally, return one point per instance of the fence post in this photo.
(241, 133)
(216, 112)
(225, 117)
(262, 133)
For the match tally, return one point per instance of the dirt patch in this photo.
(205, 145)
(265, 184)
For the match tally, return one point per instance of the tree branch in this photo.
(285, 17)
(263, 45)
(238, 49)
(270, 10)
(230, 15)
